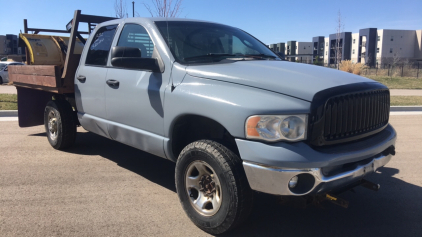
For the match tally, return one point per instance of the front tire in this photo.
(212, 186)
(60, 124)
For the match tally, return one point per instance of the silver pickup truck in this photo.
(232, 115)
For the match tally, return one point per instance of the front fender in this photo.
(227, 103)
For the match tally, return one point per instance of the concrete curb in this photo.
(8, 113)
(405, 108)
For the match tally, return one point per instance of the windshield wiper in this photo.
(260, 56)
(213, 56)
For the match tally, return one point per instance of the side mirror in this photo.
(130, 58)
(5, 69)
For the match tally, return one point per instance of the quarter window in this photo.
(135, 36)
(100, 46)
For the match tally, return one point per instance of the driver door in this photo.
(134, 105)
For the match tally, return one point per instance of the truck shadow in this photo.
(395, 210)
(153, 168)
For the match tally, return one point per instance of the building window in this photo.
(392, 39)
(378, 50)
(391, 50)
(378, 38)
(353, 52)
(326, 52)
(326, 44)
(354, 40)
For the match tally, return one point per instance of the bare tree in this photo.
(396, 59)
(339, 43)
(369, 60)
(120, 9)
(164, 8)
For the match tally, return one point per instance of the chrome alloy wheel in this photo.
(203, 188)
(52, 125)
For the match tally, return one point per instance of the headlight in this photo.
(277, 127)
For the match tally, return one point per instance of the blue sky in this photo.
(270, 21)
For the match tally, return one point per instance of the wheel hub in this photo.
(203, 188)
(207, 185)
(52, 125)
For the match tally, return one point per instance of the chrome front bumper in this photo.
(274, 180)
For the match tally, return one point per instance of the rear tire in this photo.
(1, 81)
(60, 124)
(212, 186)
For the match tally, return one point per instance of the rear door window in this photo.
(100, 46)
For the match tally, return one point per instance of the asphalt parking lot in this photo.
(103, 188)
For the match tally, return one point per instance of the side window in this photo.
(135, 36)
(100, 46)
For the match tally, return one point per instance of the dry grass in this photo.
(398, 82)
(405, 100)
(348, 66)
(358, 68)
(8, 102)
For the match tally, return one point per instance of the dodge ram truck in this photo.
(214, 99)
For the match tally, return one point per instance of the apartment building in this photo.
(279, 49)
(304, 52)
(398, 46)
(9, 45)
(3, 47)
(318, 45)
(370, 46)
(293, 51)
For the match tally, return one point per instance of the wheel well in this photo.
(190, 128)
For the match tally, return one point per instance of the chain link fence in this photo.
(395, 70)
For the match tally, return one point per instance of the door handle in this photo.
(81, 78)
(112, 82)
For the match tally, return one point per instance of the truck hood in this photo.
(293, 79)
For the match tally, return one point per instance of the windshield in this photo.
(2, 66)
(200, 42)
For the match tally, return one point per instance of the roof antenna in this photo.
(168, 43)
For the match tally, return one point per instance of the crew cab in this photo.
(214, 99)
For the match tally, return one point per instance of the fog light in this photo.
(293, 182)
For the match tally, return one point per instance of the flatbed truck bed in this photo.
(37, 84)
